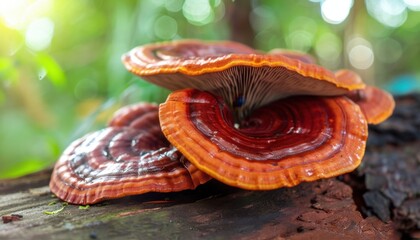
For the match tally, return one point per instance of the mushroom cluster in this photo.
(252, 120)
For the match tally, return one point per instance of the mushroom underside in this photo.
(245, 78)
(246, 88)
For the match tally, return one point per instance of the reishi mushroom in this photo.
(249, 119)
(129, 157)
(245, 78)
(281, 144)
(377, 105)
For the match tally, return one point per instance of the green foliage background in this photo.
(52, 96)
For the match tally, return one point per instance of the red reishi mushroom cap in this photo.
(245, 122)
(129, 157)
(303, 57)
(244, 77)
(376, 104)
(286, 142)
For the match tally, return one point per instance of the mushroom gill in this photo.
(245, 78)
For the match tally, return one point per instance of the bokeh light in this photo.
(301, 33)
(388, 50)
(392, 13)
(12, 12)
(360, 53)
(198, 12)
(18, 14)
(299, 40)
(335, 11)
(165, 27)
(39, 34)
(328, 49)
(174, 5)
(413, 4)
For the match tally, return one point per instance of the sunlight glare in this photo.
(391, 13)
(336, 11)
(11, 12)
(39, 34)
(18, 14)
(413, 4)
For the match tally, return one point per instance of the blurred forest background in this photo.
(61, 74)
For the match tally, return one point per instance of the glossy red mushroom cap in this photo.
(249, 119)
(245, 78)
(281, 144)
(376, 104)
(129, 157)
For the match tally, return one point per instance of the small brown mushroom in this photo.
(281, 144)
(129, 157)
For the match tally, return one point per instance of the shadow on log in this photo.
(389, 176)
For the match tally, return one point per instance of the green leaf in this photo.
(53, 70)
(22, 167)
(84, 207)
(63, 205)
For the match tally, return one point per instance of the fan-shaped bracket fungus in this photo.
(249, 119)
(245, 78)
(129, 157)
(283, 137)
(281, 144)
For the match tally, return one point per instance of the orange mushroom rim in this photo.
(282, 142)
